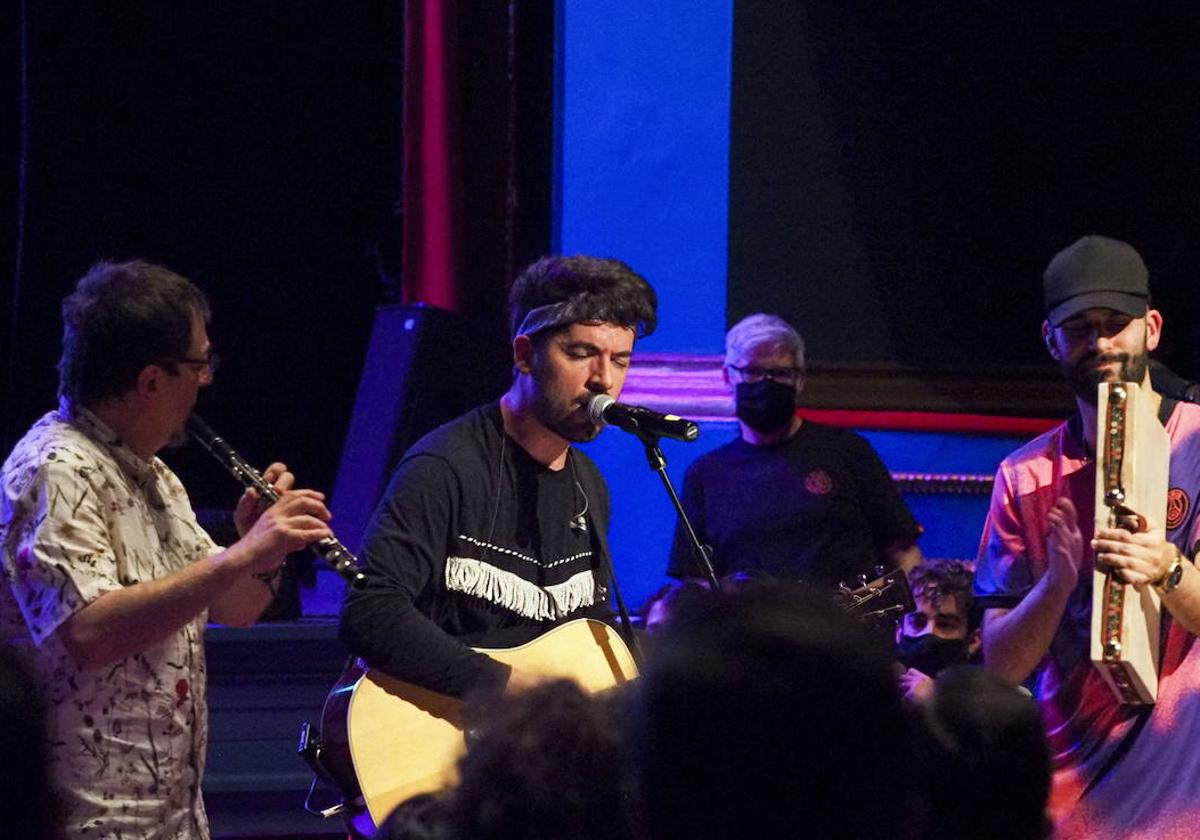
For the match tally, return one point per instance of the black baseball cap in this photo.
(1096, 272)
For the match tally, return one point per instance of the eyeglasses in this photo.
(210, 364)
(790, 375)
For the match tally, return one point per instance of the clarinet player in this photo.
(108, 580)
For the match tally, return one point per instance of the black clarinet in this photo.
(333, 552)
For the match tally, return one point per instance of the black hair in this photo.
(768, 707)
(548, 764)
(121, 318)
(986, 746)
(615, 293)
(934, 580)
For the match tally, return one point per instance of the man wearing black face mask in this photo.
(789, 497)
(942, 631)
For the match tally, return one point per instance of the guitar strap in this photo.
(626, 625)
(599, 530)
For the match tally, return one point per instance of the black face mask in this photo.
(766, 405)
(929, 654)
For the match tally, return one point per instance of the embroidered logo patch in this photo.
(818, 482)
(1177, 507)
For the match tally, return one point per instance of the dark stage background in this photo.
(899, 177)
(901, 173)
(253, 147)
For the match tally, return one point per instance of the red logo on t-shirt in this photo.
(1177, 507)
(818, 482)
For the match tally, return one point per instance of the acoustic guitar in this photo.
(384, 740)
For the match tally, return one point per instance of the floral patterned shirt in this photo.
(81, 515)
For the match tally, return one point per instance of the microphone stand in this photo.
(658, 463)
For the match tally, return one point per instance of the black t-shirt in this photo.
(473, 545)
(818, 507)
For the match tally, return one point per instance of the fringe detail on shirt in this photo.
(505, 589)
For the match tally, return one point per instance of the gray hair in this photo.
(759, 329)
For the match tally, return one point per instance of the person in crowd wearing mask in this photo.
(789, 497)
(942, 631)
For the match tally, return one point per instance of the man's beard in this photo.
(574, 426)
(1083, 377)
(570, 421)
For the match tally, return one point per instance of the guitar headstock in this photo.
(887, 597)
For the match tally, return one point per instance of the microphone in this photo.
(604, 410)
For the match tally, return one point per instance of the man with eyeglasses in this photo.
(1120, 771)
(789, 497)
(108, 580)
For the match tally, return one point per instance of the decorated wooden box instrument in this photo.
(1132, 462)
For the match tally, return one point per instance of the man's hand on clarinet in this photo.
(250, 505)
(298, 519)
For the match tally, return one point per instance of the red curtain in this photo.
(458, 129)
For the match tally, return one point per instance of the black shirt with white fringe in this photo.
(475, 544)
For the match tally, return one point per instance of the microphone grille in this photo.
(596, 406)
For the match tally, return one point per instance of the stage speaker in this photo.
(424, 366)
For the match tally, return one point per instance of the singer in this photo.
(492, 530)
(108, 580)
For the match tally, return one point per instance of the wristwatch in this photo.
(1174, 574)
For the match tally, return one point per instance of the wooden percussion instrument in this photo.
(1132, 461)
